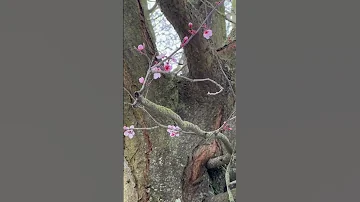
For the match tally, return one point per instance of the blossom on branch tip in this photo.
(156, 74)
(167, 67)
(190, 25)
(207, 33)
(129, 132)
(186, 38)
(173, 59)
(173, 130)
(161, 56)
(141, 47)
(141, 79)
(226, 127)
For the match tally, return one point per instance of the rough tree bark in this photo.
(162, 168)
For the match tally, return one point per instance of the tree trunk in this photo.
(165, 168)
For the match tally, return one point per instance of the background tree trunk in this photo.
(165, 168)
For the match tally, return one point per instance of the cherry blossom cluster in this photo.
(206, 34)
(128, 131)
(226, 127)
(173, 130)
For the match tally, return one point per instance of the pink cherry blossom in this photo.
(141, 47)
(173, 59)
(207, 33)
(226, 127)
(141, 79)
(190, 25)
(184, 40)
(129, 132)
(156, 74)
(167, 67)
(161, 56)
(173, 130)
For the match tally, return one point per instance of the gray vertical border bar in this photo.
(61, 100)
(298, 101)
(122, 98)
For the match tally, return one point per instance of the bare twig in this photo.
(151, 10)
(222, 70)
(185, 65)
(232, 184)
(222, 14)
(151, 128)
(195, 80)
(127, 103)
(129, 93)
(207, 79)
(158, 123)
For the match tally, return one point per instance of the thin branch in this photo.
(151, 128)
(194, 80)
(151, 10)
(158, 123)
(185, 65)
(147, 75)
(222, 14)
(222, 70)
(207, 79)
(232, 184)
(129, 93)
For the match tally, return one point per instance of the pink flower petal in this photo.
(141, 79)
(161, 56)
(157, 75)
(167, 67)
(207, 33)
(140, 47)
(185, 39)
